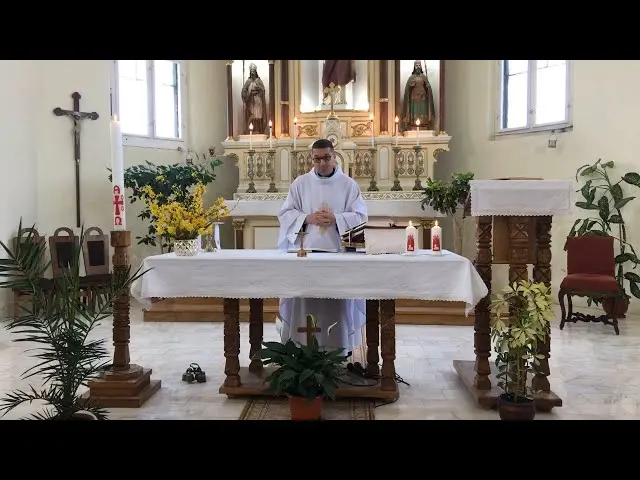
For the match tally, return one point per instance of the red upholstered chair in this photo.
(590, 273)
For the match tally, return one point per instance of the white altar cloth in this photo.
(522, 197)
(276, 274)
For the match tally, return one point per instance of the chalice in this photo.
(301, 252)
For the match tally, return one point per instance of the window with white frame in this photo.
(534, 95)
(149, 101)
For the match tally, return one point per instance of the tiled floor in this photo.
(594, 371)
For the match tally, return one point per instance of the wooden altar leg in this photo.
(256, 332)
(232, 342)
(123, 385)
(373, 336)
(388, 345)
(542, 273)
(518, 235)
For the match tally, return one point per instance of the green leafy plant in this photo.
(520, 322)
(170, 183)
(448, 198)
(305, 371)
(60, 324)
(603, 201)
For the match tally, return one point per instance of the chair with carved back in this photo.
(95, 250)
(590, 273)
(63, 250)
(18, 294)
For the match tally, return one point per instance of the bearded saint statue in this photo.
(255, 104)
(418, 103)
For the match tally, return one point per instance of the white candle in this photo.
(411, 239)
(251, 136)
(371, 120)
(117, 176)
(436, 239)
(397, 130)
(295, 132)
(418, 133)
(270, 133)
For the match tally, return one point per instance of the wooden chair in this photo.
(590, 273)
(95, 250)
(19, 295)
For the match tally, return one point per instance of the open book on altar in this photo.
(375, 238)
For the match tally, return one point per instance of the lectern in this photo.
(513, 227)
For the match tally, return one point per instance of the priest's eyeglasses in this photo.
(325, 159)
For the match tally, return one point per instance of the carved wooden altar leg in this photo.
(388, 344)
(542, 273)
(232, 342)
(373, 336)
(238, 230)
(482, 328)
(284, 97)
(229, 64)
(518, 248)
(256, 318)
(384, 100)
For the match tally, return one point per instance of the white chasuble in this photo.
(341, 195)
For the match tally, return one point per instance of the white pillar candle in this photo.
(397, 130)
(418, 133)
(251, 136)
(411, 239)
(436, 239)
(270, 134)
(117, 176)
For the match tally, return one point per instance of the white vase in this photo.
(216, 235)
(186, 248)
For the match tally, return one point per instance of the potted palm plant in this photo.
(520, 322)
(307, 374)
(60, 324)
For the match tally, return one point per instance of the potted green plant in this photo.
(448, 199)
(603, 202)
(60, 324)
(307, 374)
(520, 322)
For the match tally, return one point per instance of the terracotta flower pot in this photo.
(303, 409)
(523, 409)
(621, 305)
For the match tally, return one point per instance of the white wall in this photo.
(37, 167)
(605, 108)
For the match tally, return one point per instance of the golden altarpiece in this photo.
(364, 119)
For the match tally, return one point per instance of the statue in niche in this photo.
(418, 101)
(340, 73)
(255, 104)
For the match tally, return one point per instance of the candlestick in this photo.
(397, 130)
(436, 239)
(371, 120)
(418, 132)
(411, 239)
(117, 176)
(295, 131)
(251, 136)
(270, 133)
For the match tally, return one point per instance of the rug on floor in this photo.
(278, 409)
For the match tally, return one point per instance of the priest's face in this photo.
(324, 160)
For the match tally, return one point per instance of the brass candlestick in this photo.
(396, 171)
(373, 185)
(301, 252)
(419, 168)
(293, 160)
(271, 171)
(250, 171)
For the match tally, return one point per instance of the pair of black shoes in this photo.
(194, 374)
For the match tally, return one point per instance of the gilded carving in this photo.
(360, 129)
(427, 223)
(437, 152)
(228, 63)
(238, 224)
(308, 130)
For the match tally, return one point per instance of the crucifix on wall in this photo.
(76, 116)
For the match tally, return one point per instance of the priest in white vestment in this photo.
(325, 203)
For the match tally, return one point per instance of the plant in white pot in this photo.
(307, 374)
(520, 323)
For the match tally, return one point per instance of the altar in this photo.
(366, 114)
(258, 274)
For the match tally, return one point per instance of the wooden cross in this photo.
(310, 329)
(76, 116)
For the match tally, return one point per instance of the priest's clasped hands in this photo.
(321, 218)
